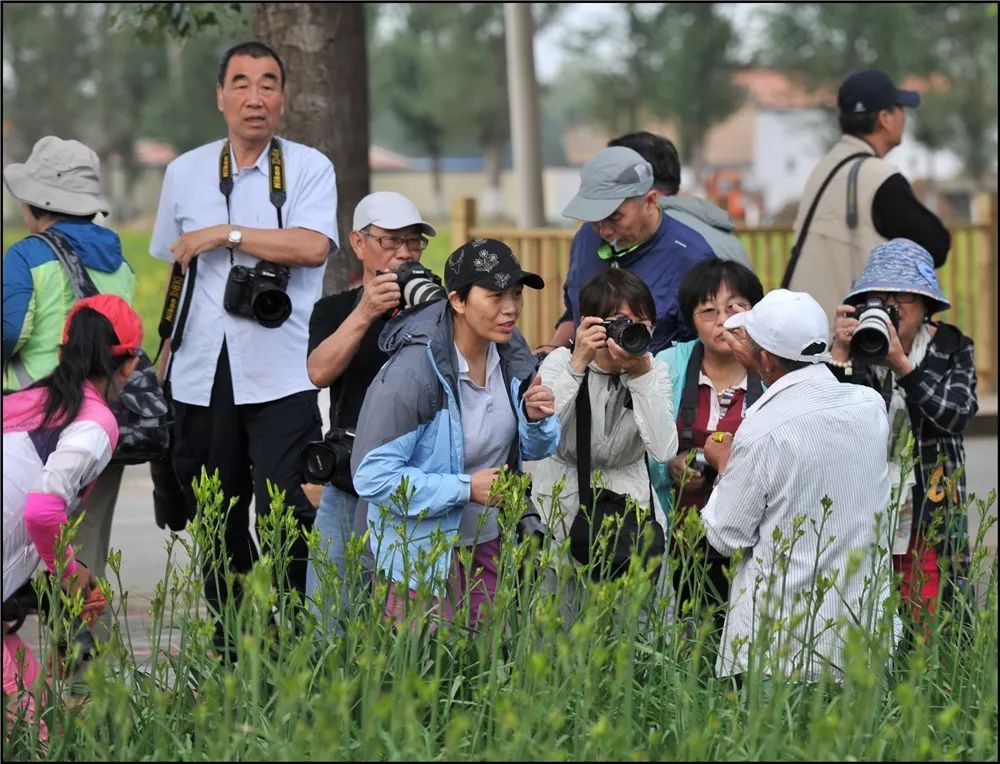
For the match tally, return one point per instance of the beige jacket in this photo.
(834, 255)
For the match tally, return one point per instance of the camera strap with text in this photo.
(275, 174)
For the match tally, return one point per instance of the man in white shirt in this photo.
(243, 399)
(806, 573)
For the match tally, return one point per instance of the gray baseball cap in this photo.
(59, 176)
(609, 178)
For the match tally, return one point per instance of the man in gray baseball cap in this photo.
(628, 230)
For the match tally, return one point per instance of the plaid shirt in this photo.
(941, 401)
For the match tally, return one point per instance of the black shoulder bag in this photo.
(607, 552)
(797, 247)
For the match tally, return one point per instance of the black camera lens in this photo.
(634, 338)
(271, 307)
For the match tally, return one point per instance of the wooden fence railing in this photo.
(969, 278)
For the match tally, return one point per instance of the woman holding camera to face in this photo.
(626, 391)
(711, 392)
(926, 372)
(457, 400)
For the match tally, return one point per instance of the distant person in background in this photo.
(867, 201)
(708, 219)
(627, 229)
(59, 188)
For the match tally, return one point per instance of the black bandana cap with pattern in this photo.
(488, 263)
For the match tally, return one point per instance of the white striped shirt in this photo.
(807, 438)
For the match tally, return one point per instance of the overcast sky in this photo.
(549, 44)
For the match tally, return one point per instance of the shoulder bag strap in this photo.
(583, 442)
(79, 279)
(689, 397)
(852, 192)
(797, 247)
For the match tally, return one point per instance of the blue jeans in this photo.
(335, 523)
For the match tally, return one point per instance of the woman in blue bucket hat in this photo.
(928, 379)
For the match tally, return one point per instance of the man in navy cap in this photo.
(858, 200)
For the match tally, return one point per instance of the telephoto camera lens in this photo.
(419, 285)
(870, 342)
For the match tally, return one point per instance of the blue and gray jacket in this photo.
(410, 428)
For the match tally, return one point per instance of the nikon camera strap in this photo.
(170, 314)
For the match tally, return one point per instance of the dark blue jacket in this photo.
(661, 262)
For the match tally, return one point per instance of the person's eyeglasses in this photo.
(392, 243)
(901, 298)
(711, 314)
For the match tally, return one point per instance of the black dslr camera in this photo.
(329, 460)
(870, 342)
(418, 284)
(259, 293)
(634, 338)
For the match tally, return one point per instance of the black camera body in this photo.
(329, 460)
(634, 338)
(259, 293)
(418, 284)
(870, 341)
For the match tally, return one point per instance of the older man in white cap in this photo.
(627, 229)
(803, 495)
(59, 188)
(389, 233)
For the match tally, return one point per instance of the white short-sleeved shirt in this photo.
(267, 364)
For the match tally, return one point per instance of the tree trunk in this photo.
(437, 186)
(326, 101)
(491, 206)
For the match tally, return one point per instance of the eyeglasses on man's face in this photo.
(392, 243)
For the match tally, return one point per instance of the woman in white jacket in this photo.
(630, 395)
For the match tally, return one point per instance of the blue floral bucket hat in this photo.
(900, 265)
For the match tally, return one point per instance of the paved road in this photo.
(144, 545)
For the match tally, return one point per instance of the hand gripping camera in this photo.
(634, 338)
(259, 293)
(329, 460)
(870, 342)
(418, 284)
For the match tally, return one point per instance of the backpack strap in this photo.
(583, 442)
(79, 279)
(797, 247)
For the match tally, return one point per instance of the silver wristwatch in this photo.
(235, 237)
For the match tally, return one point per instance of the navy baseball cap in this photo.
(873, 90)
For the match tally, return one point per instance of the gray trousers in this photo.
(93, 537)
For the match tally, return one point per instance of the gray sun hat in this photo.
(59, 176)
(900, 265)
(607, 179)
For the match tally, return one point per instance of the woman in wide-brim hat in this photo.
(928, 379)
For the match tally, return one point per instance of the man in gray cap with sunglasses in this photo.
(627, 229)
(854, 200)
(59, 188)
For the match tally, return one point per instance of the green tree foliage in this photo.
(668, 60)
(107, 75)
(440, 69)
(953, 45)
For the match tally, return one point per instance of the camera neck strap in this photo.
(275, 175)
